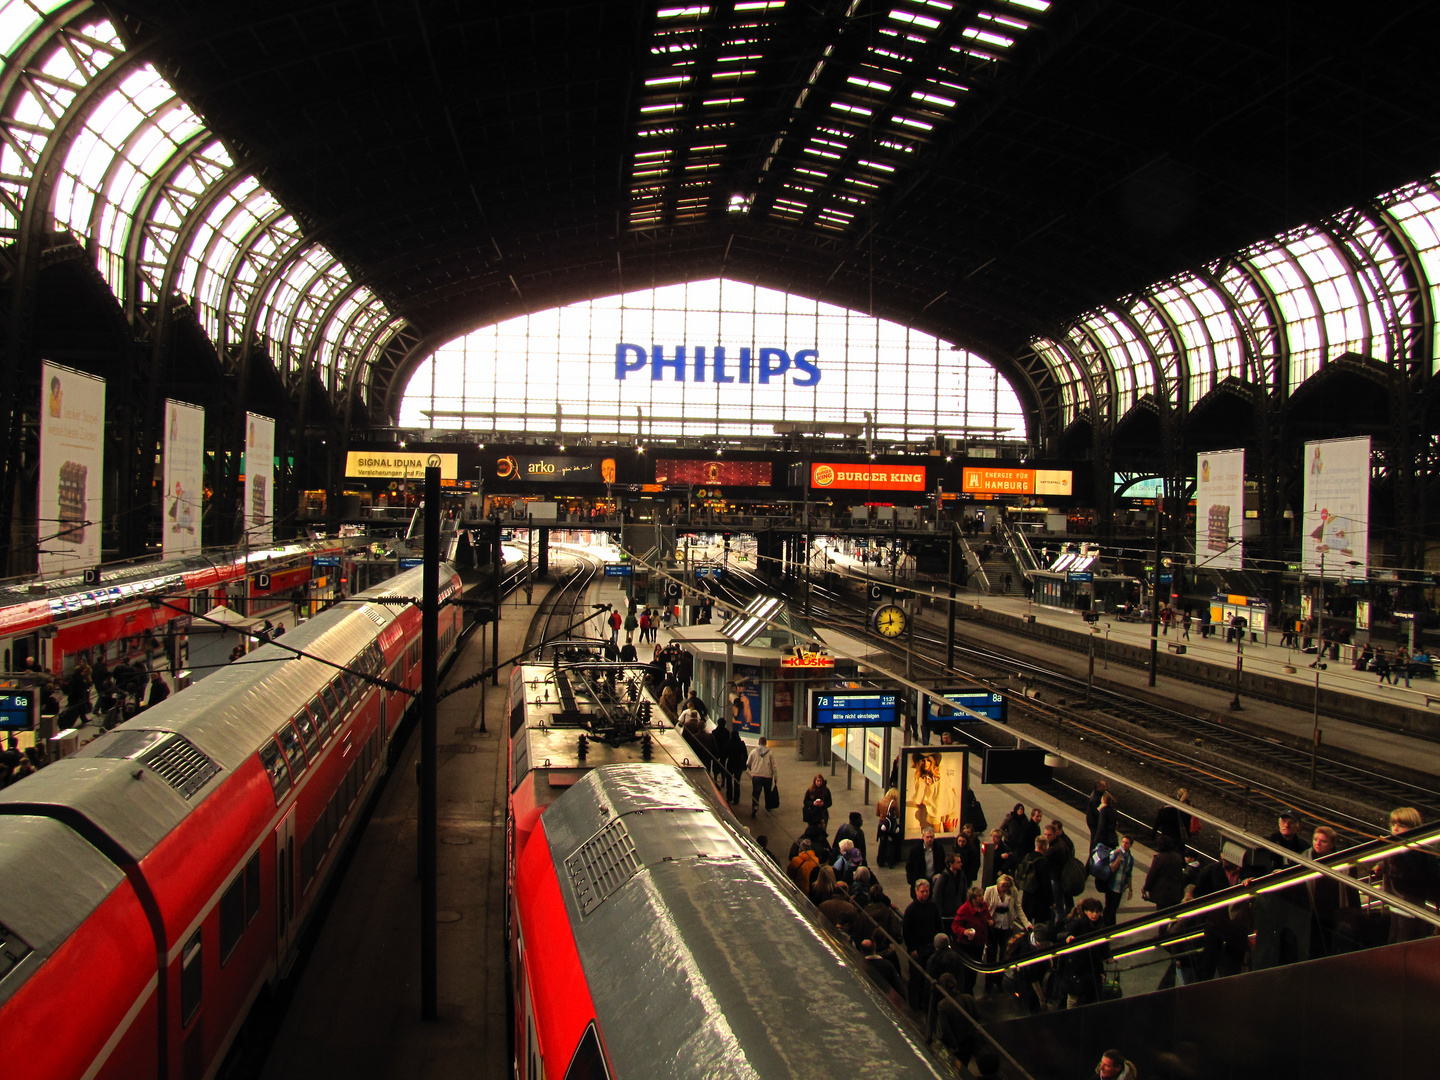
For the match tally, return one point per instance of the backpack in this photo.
(1027, 874)
(1072, 877)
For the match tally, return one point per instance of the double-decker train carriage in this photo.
(652, 938)
(63, 618)
(153, 884)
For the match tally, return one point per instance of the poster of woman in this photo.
(933, 780)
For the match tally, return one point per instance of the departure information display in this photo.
(940, 710)
(856, 708)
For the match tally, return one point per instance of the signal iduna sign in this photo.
(829, 476)
(389, 465)
(1017, 482)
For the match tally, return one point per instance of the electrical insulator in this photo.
(584, 747)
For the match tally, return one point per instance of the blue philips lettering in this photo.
(622, 365)
(773, 362)
(719, 366)
(803, 362)
(658, 363)
(764, 365)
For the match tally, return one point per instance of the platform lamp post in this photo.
(1155, 591)
(1320, 618)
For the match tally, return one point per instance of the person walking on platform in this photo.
(1120, 883)
(1185, 626)
(761, 766)
(1400, 667)
(615, 623)
(645, 625)
(736, 754)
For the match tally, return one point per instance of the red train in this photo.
(155, 883)
(650, 937)
(68, 616)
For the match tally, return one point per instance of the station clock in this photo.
(890, 620)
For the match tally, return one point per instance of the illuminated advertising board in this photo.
(681, 471)
(555, 470)
(831, 476)
(398, 465)
(1017, 481)
(1336, 540)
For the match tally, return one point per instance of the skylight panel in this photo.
(870, 84)
(891, 144)
(862, 183)
(684, 12)
(759, 5)
(856, 110)
(988, 37)
(913, 19)
(668, 80)
(1014, 24)
(910, 121)
(733, 74)
(1030, 5)
(813, 172)
(821, 153)
(933, 99)
(743, 59)
(880, 165)
(668, 106)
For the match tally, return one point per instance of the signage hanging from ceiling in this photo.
(700, 363)
(555, 470)
(393, 465)
(744, 473)
(1017, 481)
(833, 476)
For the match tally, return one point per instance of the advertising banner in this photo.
(554, 470)
(1017, 481)
(1219, 509)
(184, 478)
(744, 699)
(743, 473)
(1336, 540)
(258, 505)
(398, 465)
(72, 455)
(934, 778)
(832, 476)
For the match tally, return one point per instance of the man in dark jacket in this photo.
(921, 923)
(926, 859)
(1092, 811)
(853, 829)
(948, 887)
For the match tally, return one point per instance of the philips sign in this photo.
(712, 365)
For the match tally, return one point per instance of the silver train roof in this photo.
(701, 957)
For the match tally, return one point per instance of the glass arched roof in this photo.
(786, 359)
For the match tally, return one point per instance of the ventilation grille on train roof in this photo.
(373, 615)
(601, 865)
(173, 758)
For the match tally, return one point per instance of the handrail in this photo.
(977, 569)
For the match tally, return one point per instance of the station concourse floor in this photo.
(354, 1010)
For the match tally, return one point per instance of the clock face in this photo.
(890, 621)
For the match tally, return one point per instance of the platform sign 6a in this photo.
(17, 710)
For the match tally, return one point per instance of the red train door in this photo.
(285, 889)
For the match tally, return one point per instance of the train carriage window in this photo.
(294, 753)
(332, 706)
(321, 717)
(352, 683)
(274, 764)
(306, 727)
(317, 717)
(252, 888)
(589, 1060)
(191, 979)
(232, 917)
(341, 692)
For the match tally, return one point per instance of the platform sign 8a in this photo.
(17, 710)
